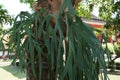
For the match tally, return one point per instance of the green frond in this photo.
(80, 57)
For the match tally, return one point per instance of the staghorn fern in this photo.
(74, 55)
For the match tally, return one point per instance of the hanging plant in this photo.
(57, 46)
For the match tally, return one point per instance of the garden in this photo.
(54, 43)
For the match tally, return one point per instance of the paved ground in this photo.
(114, 76)
(8, 72)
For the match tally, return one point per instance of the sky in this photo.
(14, 7)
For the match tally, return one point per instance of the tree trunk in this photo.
(30, 74)
(53, 6)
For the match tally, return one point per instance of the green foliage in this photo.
(5, 18)
(110, 12)
(83, 10)
(105, 11)
(117, 48)
(85, 7)
(28, 1)
(84, 56)
(110, 47)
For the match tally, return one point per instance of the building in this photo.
(94, 21)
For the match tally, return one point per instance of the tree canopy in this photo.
(109, 11)
(5, 18)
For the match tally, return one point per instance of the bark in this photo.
(45, 69)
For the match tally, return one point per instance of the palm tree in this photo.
(54, 44)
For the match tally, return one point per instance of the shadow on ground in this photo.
(114, 72)
(14, 71)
